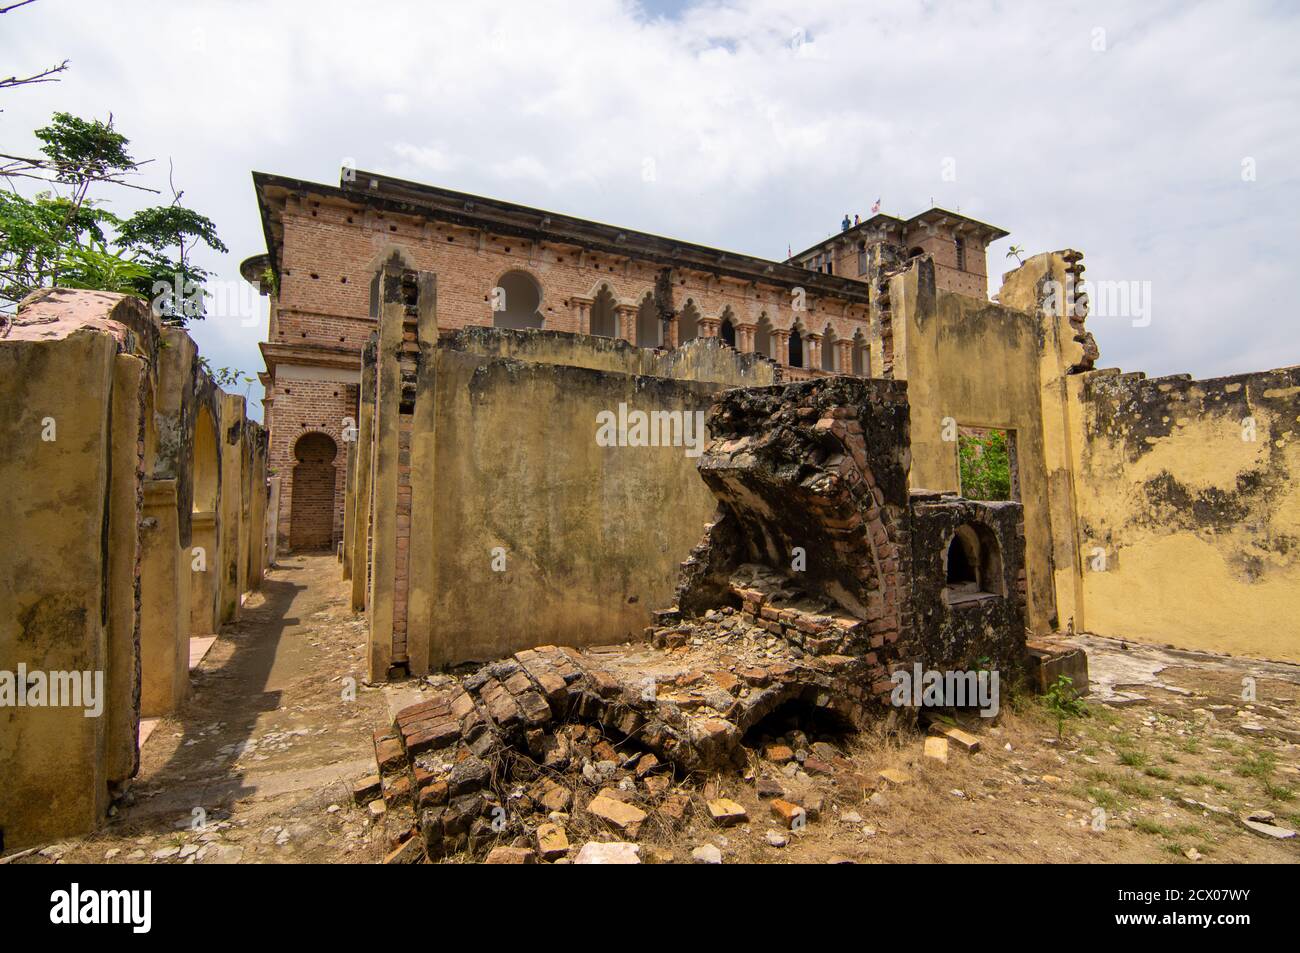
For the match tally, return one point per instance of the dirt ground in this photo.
(1161, 768)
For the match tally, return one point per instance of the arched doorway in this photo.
(311, 511)
(517, 301)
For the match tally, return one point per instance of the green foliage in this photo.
(1064, 702)
(81, 151)
(225, 377)
(67, 240)
(94, 267)
(985, 461)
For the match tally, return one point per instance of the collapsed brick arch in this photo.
(811, 483)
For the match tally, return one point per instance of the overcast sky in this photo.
(1161, 139)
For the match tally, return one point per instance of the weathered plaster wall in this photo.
(54, 510)
(1189, 509)
(975, 363)
(95, 573)
(592, 535)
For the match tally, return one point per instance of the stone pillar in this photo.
(272, 518)
(230, 505)
(670, 332)
(813, 345)
(709, 327)
(781, 338)
(122, 704)
(204, 582)
(365, 455)
(388, 395)
(422, 622)
(164, 603)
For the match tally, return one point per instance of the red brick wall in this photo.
(332, 251)
(301, 407)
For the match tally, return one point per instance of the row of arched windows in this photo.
(517, 301)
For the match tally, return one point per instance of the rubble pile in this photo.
(622, 736)
(791, 613)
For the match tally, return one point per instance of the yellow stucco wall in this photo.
(1189, 509)
(53, 510)
(592, 536)
(97, 502)
(975, 363)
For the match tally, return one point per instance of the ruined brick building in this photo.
(1147, 512)
(508, 266)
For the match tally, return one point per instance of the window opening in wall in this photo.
(829, 350)
(861, 356)
(961, 255)
(517, 303)
(604, 320)
(688, 323)
(728, 332)
(987, 464)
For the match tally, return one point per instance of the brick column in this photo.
(582, 316)
(813, 344)
(745, 338)
(709, 327)
(626, 315)
(845, 365)
(782, 340)
(670, 332)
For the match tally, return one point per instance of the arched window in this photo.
(517, 301)
(861, 355)
(763, 337)
(688, 323)
(796, 347)
(728, 331)
(649, 329)
(828, 349)
(311, 508)
(604, 319)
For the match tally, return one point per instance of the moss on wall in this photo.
(1189, 513)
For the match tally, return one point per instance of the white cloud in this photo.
(1132, 155)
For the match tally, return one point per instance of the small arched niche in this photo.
(972, 566)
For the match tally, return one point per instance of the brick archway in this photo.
(311, 512)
